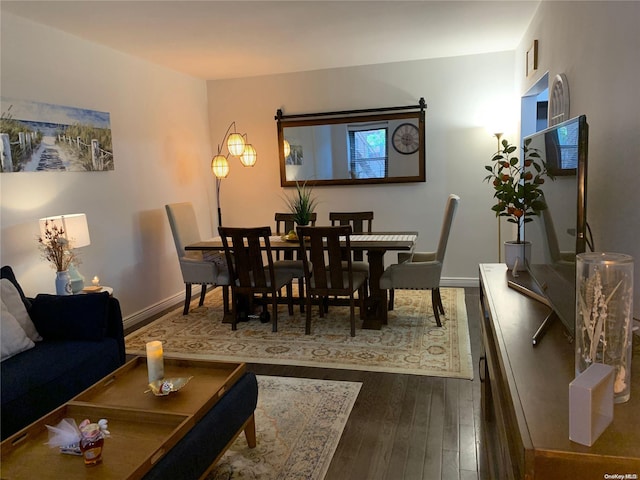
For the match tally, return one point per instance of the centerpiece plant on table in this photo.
(302, 204)
(517, 185)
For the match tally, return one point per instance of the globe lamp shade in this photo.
(249, 156)
(220, 166)
(235, 144)
(287, 149)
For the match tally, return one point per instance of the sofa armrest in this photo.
(115, 327)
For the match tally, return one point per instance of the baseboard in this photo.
(141, 316)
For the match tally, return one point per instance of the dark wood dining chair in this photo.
(287, 261)
(252, 271)
(325, 275)
(360, 222)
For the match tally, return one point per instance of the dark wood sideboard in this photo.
(525, 396)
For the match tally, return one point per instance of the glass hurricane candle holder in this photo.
(604, 306)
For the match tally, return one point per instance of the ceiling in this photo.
(230, 39)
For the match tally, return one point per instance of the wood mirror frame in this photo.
(316, 137)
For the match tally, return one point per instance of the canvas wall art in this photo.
(40, 137)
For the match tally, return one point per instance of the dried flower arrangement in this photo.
(600, 340)
(55, 247)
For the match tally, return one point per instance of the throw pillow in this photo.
(12, 300)
(7, 272)
(72, 317)
(13, 339)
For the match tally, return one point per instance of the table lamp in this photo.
(77, 233)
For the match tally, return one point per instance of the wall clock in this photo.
(559, 100)
(406, 139)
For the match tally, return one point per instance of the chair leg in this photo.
(274, 315)
(290, 298)
(440, 302)
(187, 298)
(301, 293)
(307, 327)
(352, 314)
(203, 292)
(434, 304)
(225, 298)
(234, 310)
(392, 296)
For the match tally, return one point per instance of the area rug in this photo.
(411, 343)
(299, 423)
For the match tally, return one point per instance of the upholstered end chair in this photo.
(196, 267)
(422, 270)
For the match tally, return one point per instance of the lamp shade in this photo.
(235, 144)
(75, 228)
(287, 149)
(249, 156)
(220, 166)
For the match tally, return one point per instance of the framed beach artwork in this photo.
(40, 137)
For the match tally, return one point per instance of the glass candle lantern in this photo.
(604, 310)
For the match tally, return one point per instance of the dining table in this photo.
(375, 244)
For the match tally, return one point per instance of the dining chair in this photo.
(252, 271)
(325, 275)
(286, 261)
(422, 270)
(361, 222)
(195, 268)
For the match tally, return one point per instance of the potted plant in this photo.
(302, 204)
(517, 190)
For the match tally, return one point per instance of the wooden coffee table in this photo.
(143, 427)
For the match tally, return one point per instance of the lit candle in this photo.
(155, 364)
(95, 281)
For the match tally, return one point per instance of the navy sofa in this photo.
(83, 342)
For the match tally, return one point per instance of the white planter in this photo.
(520, 252)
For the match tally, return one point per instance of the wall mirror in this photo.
(382, 145)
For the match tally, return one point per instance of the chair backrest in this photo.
(360, 222)
(357, 220)
(449, 213)
(321, 251)
(184, 227)
(285, 222)
(249, 269)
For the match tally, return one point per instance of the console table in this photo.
(525, 396)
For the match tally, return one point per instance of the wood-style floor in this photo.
(407, 427)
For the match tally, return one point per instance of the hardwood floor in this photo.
(407, 426)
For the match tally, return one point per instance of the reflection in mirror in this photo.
(353, 147)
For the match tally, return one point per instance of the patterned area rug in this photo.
(299, 423)
(411, 342)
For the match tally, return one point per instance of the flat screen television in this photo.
(560, 232)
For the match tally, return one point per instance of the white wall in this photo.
(161, 151)
(457, 90)
(597, 46)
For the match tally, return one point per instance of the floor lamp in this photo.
(237, 146)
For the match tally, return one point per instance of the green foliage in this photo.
(517, 187)
(301, 204)
(87, 133)
(13, 128)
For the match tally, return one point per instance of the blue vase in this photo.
(63, 283)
